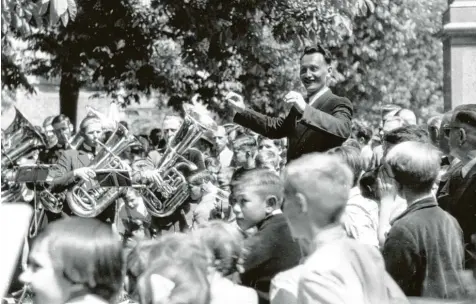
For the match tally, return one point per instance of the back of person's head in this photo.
(86, 252)
(224, 242)
(414, 165)
(352, 157)
(178, 274)
(137, 261)
(406, 133)
(408, 116)
(324, 181)
(262, 182)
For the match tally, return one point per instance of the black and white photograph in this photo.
(238, 152)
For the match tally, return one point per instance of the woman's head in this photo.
(74, 257)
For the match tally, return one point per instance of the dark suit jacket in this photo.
(270, 251)
(458, 197)
(424, 252)
(325, 125)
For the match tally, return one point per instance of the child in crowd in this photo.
(75, 260)
(203, 195)
(244, 149)
(257, 197)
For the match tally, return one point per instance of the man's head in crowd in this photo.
(62, 128)
(315, 69)
(312, 204)
(221, 138)
(434, 124)
(92, 131)
(402, 134)
(49, 132)
(444, 144)
(244, 149)
(206, 143)
(392, 123)
(255, 195)
(361, 133)
(462, 132)
(268, 159)
(414, 166)
(351, 156)
(170, 127)
(197, 182)
(274, 145)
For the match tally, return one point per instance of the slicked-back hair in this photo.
(325, 180)
(262, 181)
(415, 165)
(318, 49)
(407, 133)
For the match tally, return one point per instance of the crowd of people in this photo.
(312, 208)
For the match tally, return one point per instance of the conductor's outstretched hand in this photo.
(235, 101)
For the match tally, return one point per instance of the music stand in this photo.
(32, 173)
(113, 178)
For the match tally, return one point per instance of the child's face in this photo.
(195, 191)
(268, 145)
(46, 283)
(248, 205)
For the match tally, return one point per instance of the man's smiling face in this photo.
(314, 71)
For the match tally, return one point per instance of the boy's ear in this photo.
(272, 203)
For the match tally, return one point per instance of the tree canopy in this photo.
(384, 51)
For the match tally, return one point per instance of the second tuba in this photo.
(87, 200)
(169, 189)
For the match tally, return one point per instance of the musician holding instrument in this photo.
(316, 123)
(73, 164)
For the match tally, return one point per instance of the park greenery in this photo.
(384, 51)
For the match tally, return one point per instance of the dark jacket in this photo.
(424, 252)
(458, 197)
(270, 251)
(324, 125)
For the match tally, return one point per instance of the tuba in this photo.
(169, 188)
(88, 200)
(19, 139)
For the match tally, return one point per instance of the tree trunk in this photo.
(69, 94)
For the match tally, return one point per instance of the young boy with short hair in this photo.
(257, 197)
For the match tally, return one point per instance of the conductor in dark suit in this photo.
(316, 123)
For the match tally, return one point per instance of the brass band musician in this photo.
(73, 164)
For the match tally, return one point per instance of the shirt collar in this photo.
(316, 96)
(354, 192)
(328, 235)
(421, 203)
